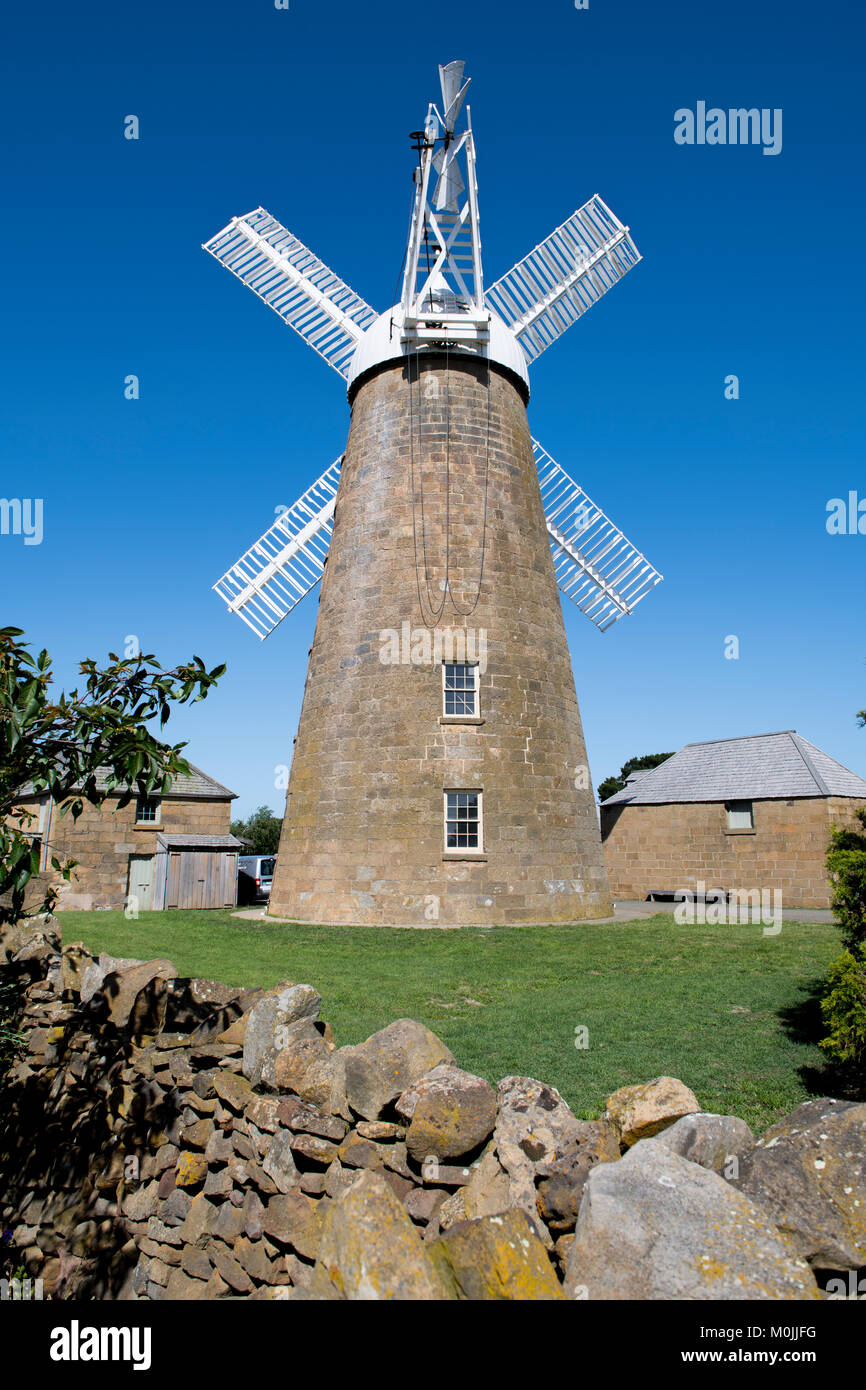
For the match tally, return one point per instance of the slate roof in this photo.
(196, 786)
(779, 766)
(196, 841)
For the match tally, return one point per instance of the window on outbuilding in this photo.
(147, 810)
(741, 815)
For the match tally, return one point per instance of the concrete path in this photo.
(629, 911)
(622, 912)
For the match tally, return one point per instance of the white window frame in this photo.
(147, 820)
(476, 690)
(740, 811)
(459, 850)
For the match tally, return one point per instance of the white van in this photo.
(255, 876)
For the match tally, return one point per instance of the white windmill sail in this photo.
(285, 274)
(596, 566)
(287, 562)
(564, 276)
(443, 298)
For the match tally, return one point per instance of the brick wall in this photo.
(103, 838)
(670, 848)
(363, 835)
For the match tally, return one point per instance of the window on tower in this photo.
(460, 688)
(463, 825)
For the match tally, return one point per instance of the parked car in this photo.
(255, 876)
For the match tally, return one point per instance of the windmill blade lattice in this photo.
(596, 566)
(286, 562)
(549, 290)
(285, 274)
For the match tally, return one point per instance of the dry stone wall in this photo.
(168, 1138)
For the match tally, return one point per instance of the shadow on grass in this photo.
(803, 1023)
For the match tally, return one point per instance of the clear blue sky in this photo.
(752, 265)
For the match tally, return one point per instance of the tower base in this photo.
(439, 490)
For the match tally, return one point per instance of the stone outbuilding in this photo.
(735, 814)
(172, 850)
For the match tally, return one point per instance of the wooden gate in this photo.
(198, 878)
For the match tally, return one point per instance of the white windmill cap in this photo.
(382, 344)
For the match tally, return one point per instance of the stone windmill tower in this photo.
(439, 772)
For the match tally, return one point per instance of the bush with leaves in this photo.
(12, 1036)
(843, 1004)
(57, 745)
(843, 1009)
(613, 784)
(846, 863)
(261, 832)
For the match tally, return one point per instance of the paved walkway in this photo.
(629, 911)
(622, 912)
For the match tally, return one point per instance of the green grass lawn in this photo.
(728, 1011)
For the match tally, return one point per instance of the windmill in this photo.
(439, 771)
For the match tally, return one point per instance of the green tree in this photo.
(846, 865)
(615, 784)
(843, 1004)
(843, 1009)
(261, 831)
(57, 745)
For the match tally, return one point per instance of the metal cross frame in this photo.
(453, 223)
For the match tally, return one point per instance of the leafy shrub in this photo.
(56, 745)
(11, 1036)
(843, 1008)
(846, 864)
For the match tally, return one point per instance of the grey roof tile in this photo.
(759, 767)
(196, 784)
(198, 841)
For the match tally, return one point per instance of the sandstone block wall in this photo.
(672, 848)
(363, 838)
(104, 837)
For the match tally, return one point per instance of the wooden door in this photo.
(199, 875)
(140, 887)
